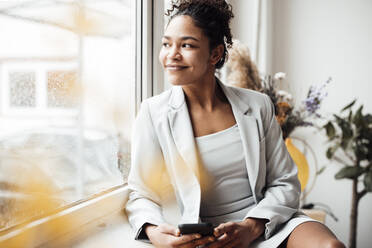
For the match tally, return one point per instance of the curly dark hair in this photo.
(212, 17)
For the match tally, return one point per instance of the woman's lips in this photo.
(175, 67)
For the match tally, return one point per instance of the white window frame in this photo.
(149, 81)
(150, 73)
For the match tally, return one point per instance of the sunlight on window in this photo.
(60, 84)
(67, 80)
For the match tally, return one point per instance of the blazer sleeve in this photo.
(147, 166)
(281, 196)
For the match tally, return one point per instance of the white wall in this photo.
(243, 25)
(312, 40)
(252, 25)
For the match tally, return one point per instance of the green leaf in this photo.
(350, 172)
(361, 151)
(321, 170)
(368, 181)
(349, 105)
(347, 134)
(347, 131)
(331, 151)
(358, 119)
(330, 129)
(368, 119)
(369, 167)
(338, 118)
(350, 118)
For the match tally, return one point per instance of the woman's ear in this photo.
(217, 54)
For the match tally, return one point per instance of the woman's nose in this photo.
(174, 53)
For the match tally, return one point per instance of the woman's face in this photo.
(185, 53)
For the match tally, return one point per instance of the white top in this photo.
(226, 193)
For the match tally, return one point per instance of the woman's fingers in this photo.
(186, 239)
(224, 228)
(166, 235)
(169, 229)
(221, 241)
(197, 242)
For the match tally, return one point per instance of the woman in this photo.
(220, 147)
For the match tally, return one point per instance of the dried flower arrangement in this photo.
(243, 73)
(289, 116)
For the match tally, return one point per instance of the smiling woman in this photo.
(220, 147)
(185, 52)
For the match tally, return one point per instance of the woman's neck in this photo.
(203, 94)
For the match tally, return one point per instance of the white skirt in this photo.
(282, 233)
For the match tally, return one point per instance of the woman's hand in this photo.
(239, 234)
(169, 236)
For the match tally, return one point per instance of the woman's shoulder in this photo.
(157, 105)
(245, 92)
(161, 99)
(251, 97)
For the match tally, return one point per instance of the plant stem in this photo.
(354, 215)
(356, 196)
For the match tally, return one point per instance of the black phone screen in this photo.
(204, 229)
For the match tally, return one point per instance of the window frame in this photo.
(150, 14)
(148, 27)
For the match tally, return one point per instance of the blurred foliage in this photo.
(351, 133)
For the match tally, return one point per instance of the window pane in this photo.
(67, 80)
(22, 89)
(60, 85)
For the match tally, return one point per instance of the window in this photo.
(21, 92)
(39, 87)
(59, 85)
(69, 91)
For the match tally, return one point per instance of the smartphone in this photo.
(204, 229)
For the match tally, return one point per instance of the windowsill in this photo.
(111, 231)
(87, 217)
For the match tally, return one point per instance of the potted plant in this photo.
(350, 144)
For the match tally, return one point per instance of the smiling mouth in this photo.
(175, 67)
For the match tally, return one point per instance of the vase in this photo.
(300, 160)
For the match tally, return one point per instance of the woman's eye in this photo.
(165, 44)
(187, 46)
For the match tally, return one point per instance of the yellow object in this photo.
(301, 162)
(316, 214)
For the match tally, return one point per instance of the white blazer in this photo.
(163, 144)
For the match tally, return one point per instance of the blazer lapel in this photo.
(248, 128)
(187, 181)
(181, 128)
